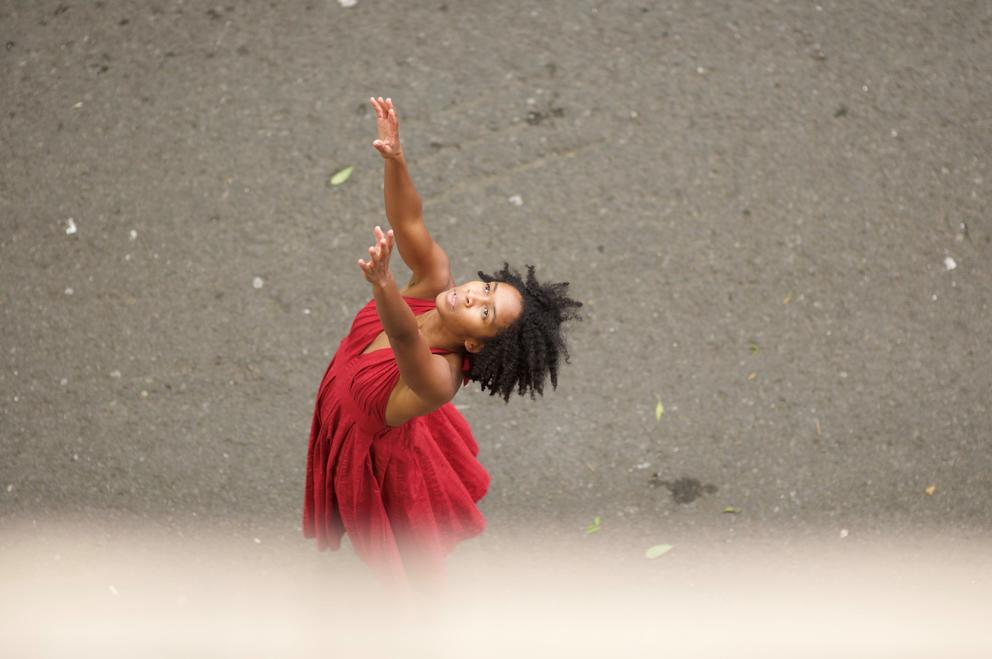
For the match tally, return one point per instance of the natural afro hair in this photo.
(522, 355)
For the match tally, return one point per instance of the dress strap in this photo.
(466, 363)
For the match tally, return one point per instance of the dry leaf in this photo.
(656, 551)
(341, 176)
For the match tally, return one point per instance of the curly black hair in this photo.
(522, 355)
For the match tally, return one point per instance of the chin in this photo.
(441, 303)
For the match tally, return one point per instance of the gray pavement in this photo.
(776, 213)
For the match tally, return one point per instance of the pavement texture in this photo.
(777, 215)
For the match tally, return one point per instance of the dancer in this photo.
(391, 462)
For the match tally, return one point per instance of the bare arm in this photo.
(428, 375)
(404, 208)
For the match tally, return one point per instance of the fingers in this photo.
(384, 108)
(381, 106)
(380, 247)
(383, 245)
(377, 265)
(366, 269)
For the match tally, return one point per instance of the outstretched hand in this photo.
(388, 144)
(376, 270)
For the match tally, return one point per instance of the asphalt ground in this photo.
(777, 216)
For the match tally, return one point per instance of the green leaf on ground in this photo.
(656, 551)
(341, 176)
(754, 347)
(659, 409)
(731, 509)
(594, 527)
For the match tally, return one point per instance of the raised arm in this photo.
(431, 377)
(404, 209)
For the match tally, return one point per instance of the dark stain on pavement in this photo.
(537, 117)
(685, 489)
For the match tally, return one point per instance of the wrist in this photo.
(386, 283)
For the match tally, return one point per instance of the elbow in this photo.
(433, 395)
(434, 392)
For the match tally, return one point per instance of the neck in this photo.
(436, 334)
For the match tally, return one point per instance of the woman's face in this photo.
(478, 310)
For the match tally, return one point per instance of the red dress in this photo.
(405, 495)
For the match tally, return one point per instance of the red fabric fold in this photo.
(405, 495)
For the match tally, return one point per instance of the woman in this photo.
(391, 461)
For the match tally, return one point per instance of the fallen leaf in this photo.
(594, 527)
(930, 490)
(752, 375)
(341, 176)
(731, 509)
(659, 409)
(754, 347)
(787, 298)
(656, 551)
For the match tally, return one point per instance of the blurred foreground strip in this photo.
(72, 592)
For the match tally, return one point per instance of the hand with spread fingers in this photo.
(376, 269)
(388, 144)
